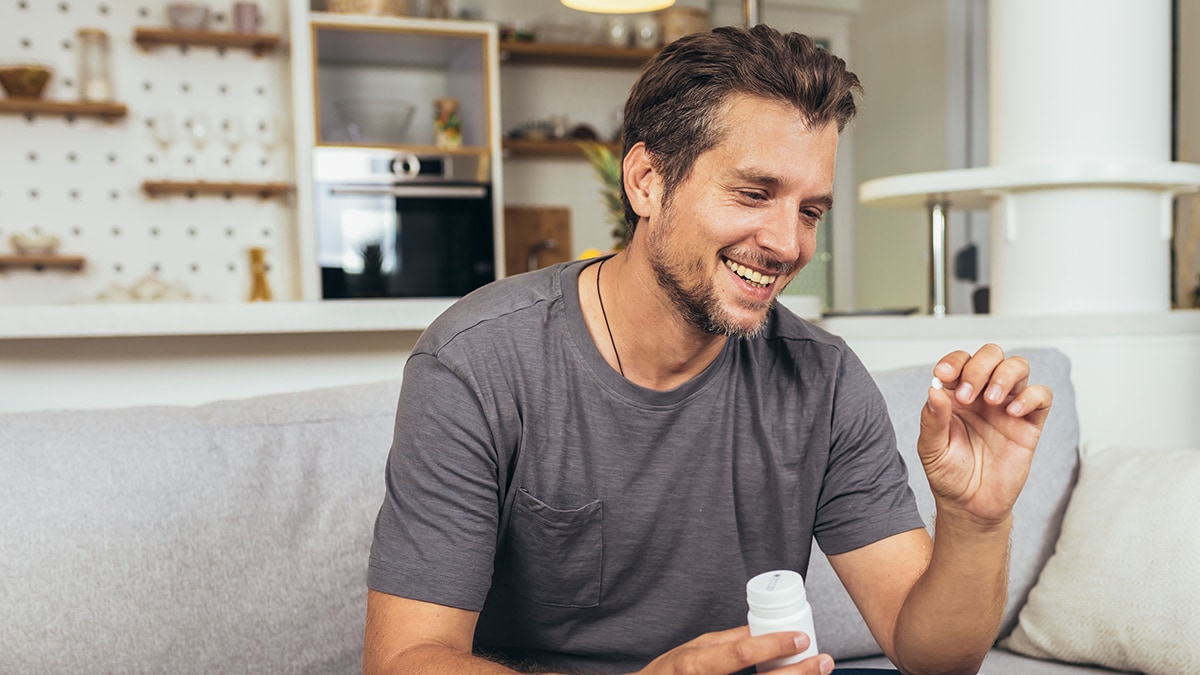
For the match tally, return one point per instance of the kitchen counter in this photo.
(261, 318)
(196, 318)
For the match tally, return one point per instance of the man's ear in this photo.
(642, 184)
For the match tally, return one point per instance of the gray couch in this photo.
(232, 537)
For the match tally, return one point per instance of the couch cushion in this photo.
(230, 537)
(1037, 514)
(1121, 588)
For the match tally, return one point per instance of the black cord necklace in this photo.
(603, 313)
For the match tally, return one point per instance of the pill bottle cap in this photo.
(776, 593)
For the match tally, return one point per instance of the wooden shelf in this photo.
(465, 151)
(265, 190)
(561, 54)
(517, 147)
(41, 262)
(31, 106)
(259, 43)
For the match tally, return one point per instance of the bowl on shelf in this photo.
(34, 244)
(26, 80)
(559, 30)
(188, 16)
(517, 30)
(375, 120)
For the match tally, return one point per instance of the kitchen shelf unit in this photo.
(71, 263)
(566, 54)
(432, 57)
(106, 111)
(259, 43)
(263, 190)
(337, 56)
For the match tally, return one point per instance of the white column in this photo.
(1080, 82)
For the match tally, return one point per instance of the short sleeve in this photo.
(435, 535)
(865, 496)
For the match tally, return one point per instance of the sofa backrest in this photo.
(225, 538)
(1037, 515)
(232, 537)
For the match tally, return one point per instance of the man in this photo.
(591, 460)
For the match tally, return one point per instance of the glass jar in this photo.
(95, 71)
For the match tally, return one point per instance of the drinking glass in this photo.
(198, 131)
(269, 133)
(165, 132)
(233, 134)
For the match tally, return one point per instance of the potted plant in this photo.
(607, 166)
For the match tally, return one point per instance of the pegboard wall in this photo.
(80, 178)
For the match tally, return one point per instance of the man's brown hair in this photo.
(675, 106)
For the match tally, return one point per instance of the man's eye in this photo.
(754, 196)
(812, 214)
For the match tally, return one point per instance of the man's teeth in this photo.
(756, 279)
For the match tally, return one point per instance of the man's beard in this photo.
(699, 306)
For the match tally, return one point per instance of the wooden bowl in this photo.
(24, 81)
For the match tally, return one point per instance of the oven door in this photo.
(411, 240)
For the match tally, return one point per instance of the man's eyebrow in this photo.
(825, 201)
(757, 177)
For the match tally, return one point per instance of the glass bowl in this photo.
(375, 120)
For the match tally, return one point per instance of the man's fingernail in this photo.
(945, 369)
(826, 665)
(993, 393)
(964, 392)
(801, 641)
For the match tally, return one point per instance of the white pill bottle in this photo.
(777, 603)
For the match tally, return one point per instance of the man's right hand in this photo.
(730, 651)
(405, 636)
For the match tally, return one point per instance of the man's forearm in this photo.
(435, 659)
(950, 619)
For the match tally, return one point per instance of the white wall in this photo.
(900, 56)
(1134, 376)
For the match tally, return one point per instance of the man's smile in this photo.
(754, 277)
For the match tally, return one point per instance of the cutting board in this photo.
(540, 235)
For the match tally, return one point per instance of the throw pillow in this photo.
(1120, 590)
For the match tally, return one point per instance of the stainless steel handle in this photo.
(460, 191)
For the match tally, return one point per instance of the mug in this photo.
(246, 17)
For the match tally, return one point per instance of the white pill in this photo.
(936, 384)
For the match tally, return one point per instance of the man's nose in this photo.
(782, 233)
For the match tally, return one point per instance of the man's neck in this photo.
(640, 327)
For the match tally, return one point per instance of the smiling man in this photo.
(591, 460)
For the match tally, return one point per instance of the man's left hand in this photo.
(979, 432)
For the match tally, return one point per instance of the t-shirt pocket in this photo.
(554, 555)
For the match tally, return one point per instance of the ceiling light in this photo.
(618, 6)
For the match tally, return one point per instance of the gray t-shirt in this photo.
(597, 524)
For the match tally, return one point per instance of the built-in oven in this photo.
(395, 224)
